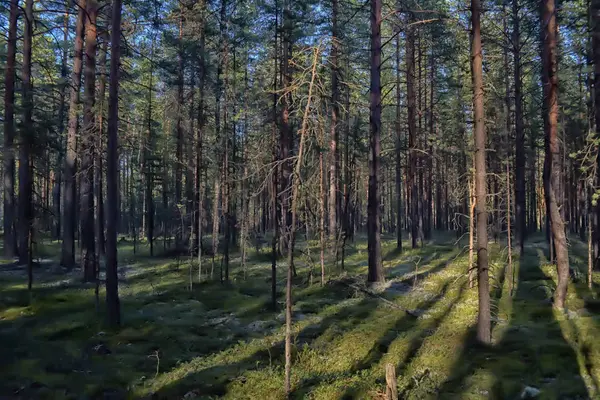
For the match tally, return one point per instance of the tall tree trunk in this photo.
(57, 191)
(10, 244)
(521, 225)
(412, 133)
(226, 187)
(148, 169)
(285, 132)
(179, 131)
(99, 153)
(294, 207)
(552, 170)
(70, 199)
(374, 197)
(112, 284)
(335, 109)
(88, 255)
(398, 127)
(25, 161)
(199, 148)
(483, 322)
(275, 204)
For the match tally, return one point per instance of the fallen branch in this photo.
(362, 289)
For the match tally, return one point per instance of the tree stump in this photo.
(391, 391)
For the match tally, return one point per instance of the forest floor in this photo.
(224, 341)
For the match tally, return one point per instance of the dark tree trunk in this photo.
(148, 161)
(88, 256)
(179, 135)
(70, 199)
(521, 226)
(57, 191)
(99, 153)
(199, 139)
(10, 244)
(374, 197)
(398, 127)
(483, 322)
(552, 170)
(335, 109)
(112, 283)
(274, 184)
(412, 133)
(25, 162)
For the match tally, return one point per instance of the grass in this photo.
(224, 341)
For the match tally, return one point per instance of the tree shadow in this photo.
(531, 351)
(405, 322)
(213, 381)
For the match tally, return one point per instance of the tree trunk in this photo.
(199, 148)
(334, 139)
(57, 191)
(374, 197)
(70, 199)
(99, 153)
(412, 132)
(148, 169)
(25, 162)
(552, 170)
(10, 244)
(275, 205)
(483, 322)
(292, 239)
(112, 284)
(520, 193)
(88, 255)
(398, 127)
(179, 133)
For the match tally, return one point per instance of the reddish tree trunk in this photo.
(552, 171)
(483, 322)
(374, 197)
(70, 199)
(10, 244)
(88, 256)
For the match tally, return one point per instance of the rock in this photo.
(190, 395)
(530, 392)
(102, 349)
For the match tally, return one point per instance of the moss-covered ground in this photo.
(223, 340)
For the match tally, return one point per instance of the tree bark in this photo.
(483, 321)
(375, 273)
(179, 132)
(412, 132)
(294, 207)
(334, 138)
(89, 132)
(112, 284)
(10, 244)
(25, 162)
(521, 224)
(398, 127)
(552, 170)
(70, 199)
(99, 153)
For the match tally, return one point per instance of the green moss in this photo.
(224, 341)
